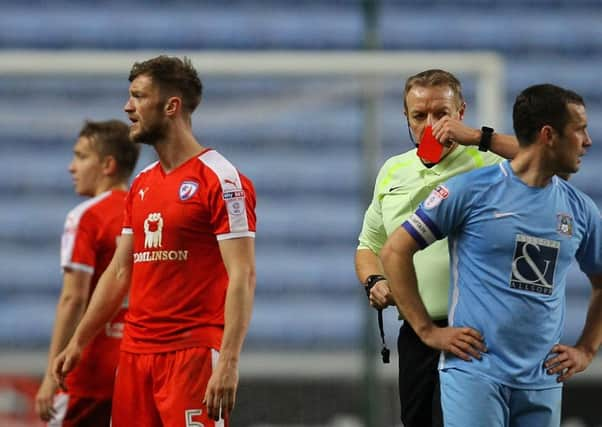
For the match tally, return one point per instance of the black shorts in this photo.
(419, 392)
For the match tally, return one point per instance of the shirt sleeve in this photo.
(440, 214)
(78, 243)
(589, 254)
(373, 234)
(490, 158)
(233, 208)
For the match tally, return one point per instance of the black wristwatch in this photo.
(485, 142)
(371, 281)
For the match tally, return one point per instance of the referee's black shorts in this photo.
(418, 380)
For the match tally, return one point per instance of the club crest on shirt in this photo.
(534, 264)
(439, 194)
(188, 189)
(564, 224)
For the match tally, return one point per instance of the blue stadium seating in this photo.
(306, 166)
(511, 29)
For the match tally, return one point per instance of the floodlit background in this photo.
(311, 141)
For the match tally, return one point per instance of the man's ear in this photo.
(548, 135)
(109, 166)
(462, 110)
(173, 105)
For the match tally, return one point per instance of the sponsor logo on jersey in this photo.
(235, 201)
(153, 238)
(229, 181)
(151, 256)
(153, 230)
(234, 194)
(188, 189)
(534, 264)
(564, 224)
(439, 194)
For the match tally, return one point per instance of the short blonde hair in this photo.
(432, 78)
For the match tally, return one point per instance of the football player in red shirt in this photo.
(103, 160)
(187, 247)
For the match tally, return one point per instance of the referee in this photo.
(431, 98)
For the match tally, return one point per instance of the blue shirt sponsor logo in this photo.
(534, 264)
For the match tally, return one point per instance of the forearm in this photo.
(69, 312)
(401, 274)
(366, 264)
(105, 302)
(505, 146)
(238, 311)
(591, 337)
(448, 129)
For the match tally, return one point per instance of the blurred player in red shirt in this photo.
(103, 160)
(187, 246)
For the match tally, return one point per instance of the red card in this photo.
(429, 149)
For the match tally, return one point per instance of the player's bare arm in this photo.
(69, 311)
(239, 259)
(108, 296)
(570, 360)
(397, 258)
(448, 130)
(366, 264)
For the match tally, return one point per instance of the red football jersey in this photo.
(179, 280)
(88, 243)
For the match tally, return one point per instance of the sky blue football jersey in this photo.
(510, 247)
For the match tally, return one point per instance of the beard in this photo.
(152, 135)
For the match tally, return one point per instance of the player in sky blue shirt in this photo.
(509, 264)
(513, 232)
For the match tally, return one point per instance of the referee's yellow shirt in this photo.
(402, 183)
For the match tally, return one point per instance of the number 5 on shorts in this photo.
(192, 413)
